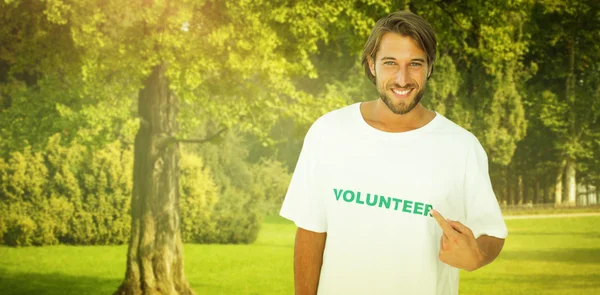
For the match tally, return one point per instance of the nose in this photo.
(401, 77)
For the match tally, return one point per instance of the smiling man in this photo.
(374, 178)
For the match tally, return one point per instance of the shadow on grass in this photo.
(579, 256)
(564, 283)
(555, 234)
(15, 283)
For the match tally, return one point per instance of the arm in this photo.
(491, 247)
(308, 258)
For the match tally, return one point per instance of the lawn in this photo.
(541, 256)
(549, 209)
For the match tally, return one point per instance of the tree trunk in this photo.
(591, 199)
(598, 191)
(549, 197)
(558, 187)
(507, 188)
(584, 195)
(155, 254)
(571, 182)
(514, 198)
(503, 176)
(545, 190)
(592, 194)
(537, 194)
(520, 189)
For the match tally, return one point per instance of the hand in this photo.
(458, 246)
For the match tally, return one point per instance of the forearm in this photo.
(490, 248)
(308, 258)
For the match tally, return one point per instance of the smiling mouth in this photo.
(402, 92)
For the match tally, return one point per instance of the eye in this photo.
(389, 63)
(415, 64)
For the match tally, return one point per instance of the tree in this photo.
(564, 48)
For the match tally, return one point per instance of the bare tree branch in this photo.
(164, 142)
(209, 138)
(443, 7)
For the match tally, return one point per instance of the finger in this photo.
(446, 227)
(459, 227)
(444, 242)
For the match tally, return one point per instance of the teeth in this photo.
(401, 92)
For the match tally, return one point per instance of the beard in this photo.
(401, 108)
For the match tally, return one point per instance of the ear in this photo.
(371, 65)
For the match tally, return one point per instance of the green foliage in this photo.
(238, 212)
(271, 180)
(238, 216)
(102, 210)
(107, 50)
(67, 194)
(198, 195)
(25, 209)
(504, 125)
(562, 98)
(258, 191)
(443, 86)
(246, 191)
(78, 195)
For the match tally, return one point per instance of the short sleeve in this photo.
(483, 215)
(303, 204)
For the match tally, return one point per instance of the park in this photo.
(146, 146)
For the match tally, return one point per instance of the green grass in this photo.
(550, 210)
(541, 256)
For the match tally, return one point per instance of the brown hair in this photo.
(404, 23)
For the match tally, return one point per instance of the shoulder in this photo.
(457, 134)
(334, 121)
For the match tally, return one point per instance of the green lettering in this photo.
(386, 201)
(374, 200)
(346, 193)
(338, 193)
(427, 209)
(407, 206)
(418, 208)
(358, 200)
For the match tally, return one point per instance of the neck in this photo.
(378, 115)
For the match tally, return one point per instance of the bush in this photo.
(65, 194)
(238, 218)
(238, 213)
(271, 180)
(241, 208)
(20, 230)
(106, 178)
(25, 210)
(79, 195)
(198, 196)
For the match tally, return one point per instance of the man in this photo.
(374, 178)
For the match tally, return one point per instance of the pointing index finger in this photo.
(446, 227)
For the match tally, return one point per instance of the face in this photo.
(400, 69)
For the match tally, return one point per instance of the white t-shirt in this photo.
(372, 192)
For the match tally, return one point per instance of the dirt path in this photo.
(560, 215)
